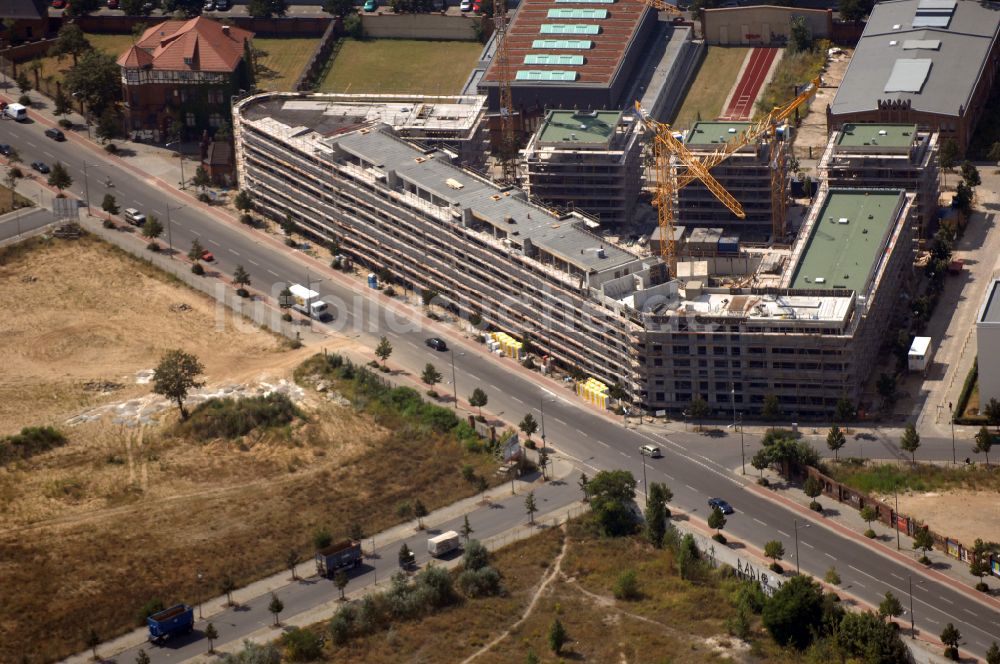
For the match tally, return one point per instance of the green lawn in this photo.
(114, 45)
(283, 64)
(401, 66)
(711, 85)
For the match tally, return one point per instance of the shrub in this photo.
(870, 534)
(231, 418)
(815, 506)
(31, 441)
(390, 291)
(154, 605)
(302, 645)
(482, 582)
(24, 100)
(627, 586)
(289, 242)
(153, 246)
(197, 269)
(204, 197)
(243, 292)
(246, 219)
(65, 124)
(111, 148)
(107, 223)
(287, 317)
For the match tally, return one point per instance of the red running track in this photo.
(741, 105)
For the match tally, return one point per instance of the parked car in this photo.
(209, 6)
(5, 149)
(55, 134)
(58, 4)
(207, 256)
(370, 5)
(721, 504)
(437, 344)
(40, 166)
(477, 7)
(466, 6)
(222, 5)
(112, 4)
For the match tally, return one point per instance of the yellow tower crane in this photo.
(508, 144)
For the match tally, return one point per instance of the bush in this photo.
(111, 148)
(197, 269)
(302, 645)
(24, 100)
(482, 582)
(390, 291)
(289, 242)
(65, 124)
(31, 441)
(153, 246)
(287, 317)
(231, 418)
(243, 292)
(107, 223)
(204, 197)
(815, 506)
(627, 586)
(246, 219)
(870, 534)
(154, 605)
(763, 481)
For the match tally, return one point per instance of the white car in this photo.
(466, 6)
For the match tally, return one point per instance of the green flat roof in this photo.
(839, 253)
(590, 127)
(716, 132)
(857, 135)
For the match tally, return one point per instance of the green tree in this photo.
(717, 521)
(322, 538)
(582, 483)
(383, 350)
(532, 658)
(528, 425)
(557, 637)
(832, 577)
(478, 399)
(868, 514)
(109, 124)
(771, 408)
(948, 154)
(543, 461)
(853, 10)
(864, 637)
(241, 278)
(970, 175)
(59, 177)
(835, 440)
(340, 579)
(242, 201)
(82, 7)
(845, 411)
(211, 634)
(175, 375)
(110, 205)
(910, 441)
(761, 460)
(924, 542)
(984, 442)
(22, 81)
(812, 488)
(96, 79)
(979, 566)
(339, 8)
(292, 559)
(302, 645)
(267, 8)
(530, 507)
(431, 376)
(698, 411)
(419, 511)
(627, 586)
(405, 556)
(201, 179)
(466, 530)
(70, 40)
(992, 412)
(886, 387)
(792, 612)
(93, 640)
(276, 606)
(61, 103)
(196, 250)
(13, 175)
(950, 637)
(152, 229)
(774, 550)
(612, 493)
(890, 607)
(656, 523)
(993, 654)
(141, 657)
(963, 197)
(800, 37)
(185, 7)
(228, 586)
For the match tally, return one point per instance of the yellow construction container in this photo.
(594, 391)
(510, 346)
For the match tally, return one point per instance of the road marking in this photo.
(273, 272)
(897, 576)
(946, 600)
(784, 533)
(234, 252)
(559, 421)
(691, 487)
(473, 376)
(971, 613)
(601, 442)
(199, 235)
(623, 454)
(669, 477)
(517, 400)
(829, 556)
(210, 241)
(48, 154)
(858, 583)
(808, 544)
(253, 262)
(932, 621)
(859, 571)
(31, 144)
(760, 522)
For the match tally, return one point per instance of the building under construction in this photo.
(895, 156)
(588, 160)
(746, 174)
(802, 324)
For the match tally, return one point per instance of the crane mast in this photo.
(508, 145)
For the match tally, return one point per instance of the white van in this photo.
(18, 112)
(134, 217)
(652, 451)
(443, 543)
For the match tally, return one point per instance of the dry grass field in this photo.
(92, 530)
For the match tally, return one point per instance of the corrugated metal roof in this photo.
(908, 75)
(563, 12)
(563, 43)
(545, 75)
(931, 21)
(552, 59)
(569, 29)
(925, 44)
(937, 4)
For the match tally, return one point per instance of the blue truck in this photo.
(338, 556)
(175, 621)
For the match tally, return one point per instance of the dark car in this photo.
(5, 149)
(721, 504)
(40, 166)
(437, 344)
(222, 5)
(55, 134)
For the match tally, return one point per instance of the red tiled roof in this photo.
(600, 62)
(199, 44)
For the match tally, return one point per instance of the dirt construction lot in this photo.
(120, 515)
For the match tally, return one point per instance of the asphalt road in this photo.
(695, 466)
(15, 223)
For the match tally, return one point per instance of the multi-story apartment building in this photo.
(183, 72)
(746, 174)
(896, 156)
(591, 160)
(808, 334)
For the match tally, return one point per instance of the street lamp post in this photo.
(743, 454)
(86, 187)
(645, 485)
(200, 602)
(170, 238)
(951, 407)
(895, 515)
(795, 525)
(541, 409)
(454, 380)
(180, 153)
(732, 401)
(913, 623)
(309, 285)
